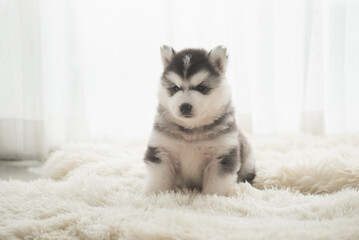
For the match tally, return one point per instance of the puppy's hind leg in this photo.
(161, 171)
(247, 171)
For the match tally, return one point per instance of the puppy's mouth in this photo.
(187, 115)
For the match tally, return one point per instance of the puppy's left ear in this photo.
(218, 57)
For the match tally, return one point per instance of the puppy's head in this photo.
(193, 85)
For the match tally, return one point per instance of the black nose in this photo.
(185, 108)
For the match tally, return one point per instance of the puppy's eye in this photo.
(202, 89)
(174, 89)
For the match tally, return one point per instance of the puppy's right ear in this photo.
(167, 53)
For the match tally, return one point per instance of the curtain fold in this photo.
(89, 70)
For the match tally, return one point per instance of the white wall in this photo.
(88, 70)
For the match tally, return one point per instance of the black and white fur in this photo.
(195, 141)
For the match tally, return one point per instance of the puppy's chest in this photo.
(191, 160)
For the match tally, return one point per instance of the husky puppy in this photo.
(195, 142)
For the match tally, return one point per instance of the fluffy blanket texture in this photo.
(307, 187)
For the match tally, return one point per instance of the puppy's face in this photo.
(193, 86)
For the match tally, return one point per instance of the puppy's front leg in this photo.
(221, 173)
(161, 171)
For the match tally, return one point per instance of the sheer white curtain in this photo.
(88, 70)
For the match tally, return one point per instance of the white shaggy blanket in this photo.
(306, 188)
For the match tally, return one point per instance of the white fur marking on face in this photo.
(199, 77)
(175, 78)
(186, 63)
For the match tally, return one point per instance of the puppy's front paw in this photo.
(219, 185)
